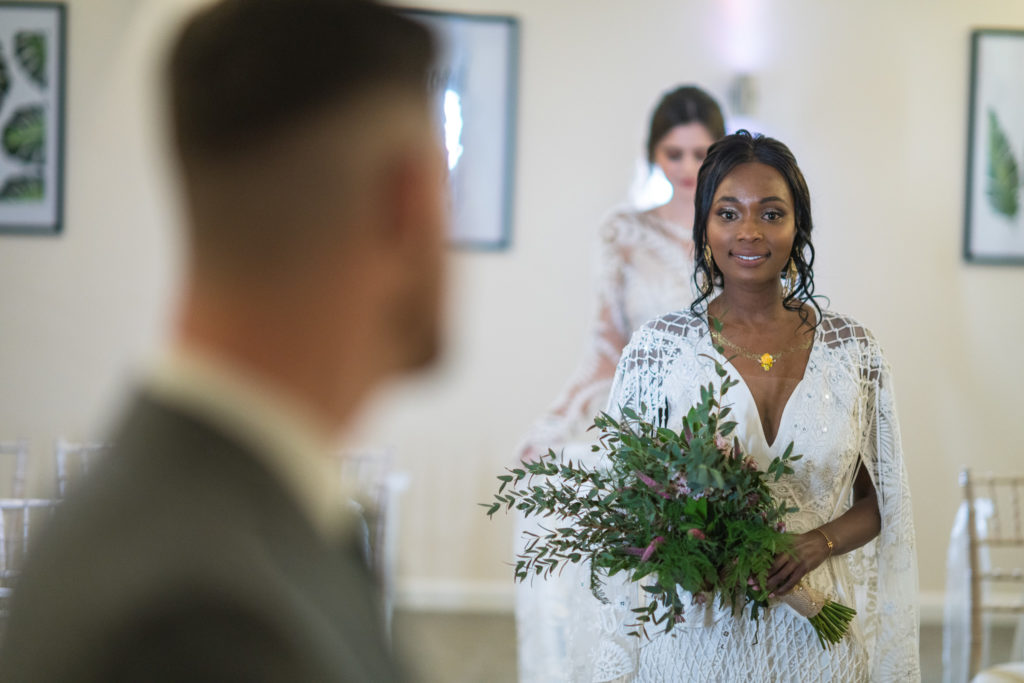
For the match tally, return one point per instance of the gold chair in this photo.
(1002, 538)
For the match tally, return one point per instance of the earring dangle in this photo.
(792, 278)
(708, 277)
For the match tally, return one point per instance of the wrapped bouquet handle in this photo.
(830, 619)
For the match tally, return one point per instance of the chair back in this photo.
(13, 467)
(20, 518)
(1002, 539)
(73, 460)
(378, 488)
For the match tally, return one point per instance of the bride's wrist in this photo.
(827, 538)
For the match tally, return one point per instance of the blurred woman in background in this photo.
(646, 265)
(645, 269)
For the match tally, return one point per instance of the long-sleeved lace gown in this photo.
(645, 269)
(840, 416)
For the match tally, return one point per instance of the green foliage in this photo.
(30, 49)
(1003, 175)
(25, 134)
(684, 509)
(22, 188)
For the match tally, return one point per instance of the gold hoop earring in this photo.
(792, 279)
(709, 258)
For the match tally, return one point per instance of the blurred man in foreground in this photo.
(213, 543)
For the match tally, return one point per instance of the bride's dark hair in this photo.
(686, 104)
(725, 155)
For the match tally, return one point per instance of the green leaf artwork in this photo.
(5, 78)
(22, 188)
(25, 134)
(30, 49)
(1003, 175)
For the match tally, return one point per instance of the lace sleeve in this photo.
(646, 365)
(587, 389)
(892, 625)
(601, 648)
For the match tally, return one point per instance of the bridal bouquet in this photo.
(683, 509)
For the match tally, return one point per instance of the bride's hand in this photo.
(809, 551)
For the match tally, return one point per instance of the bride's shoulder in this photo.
(677, 328)
(839, 331)
(841, 328)
(621, 225)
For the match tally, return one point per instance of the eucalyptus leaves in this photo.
(675, 510)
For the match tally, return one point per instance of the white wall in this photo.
(872, 98)
(78, 310)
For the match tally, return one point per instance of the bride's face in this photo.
(679, 154)
(751, 226)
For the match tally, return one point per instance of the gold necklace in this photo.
(766, 360)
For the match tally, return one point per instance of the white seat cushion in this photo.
(1003, 673)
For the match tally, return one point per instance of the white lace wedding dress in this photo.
(645, 268)
(841, 414)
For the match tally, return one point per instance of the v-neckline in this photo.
(769, 447)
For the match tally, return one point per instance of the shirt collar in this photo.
(279, 433)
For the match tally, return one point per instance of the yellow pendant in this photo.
(767, 362)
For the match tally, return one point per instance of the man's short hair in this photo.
(243, 71)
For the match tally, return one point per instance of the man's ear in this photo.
(414, 199)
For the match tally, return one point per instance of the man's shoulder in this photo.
(176, 522)
(171, 500)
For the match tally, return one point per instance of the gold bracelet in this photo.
(828, 541)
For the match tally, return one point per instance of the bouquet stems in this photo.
(829, 619)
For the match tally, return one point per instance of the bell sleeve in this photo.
(887, 600)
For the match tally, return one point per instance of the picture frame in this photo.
(474, 85)
(32, 74)
(994, 204)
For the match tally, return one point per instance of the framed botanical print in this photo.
(994, 221)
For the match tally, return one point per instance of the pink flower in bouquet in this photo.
(750, 463)
(723, 445)
(653, 485)
(682, 486)
(649, 550)
(696, 533)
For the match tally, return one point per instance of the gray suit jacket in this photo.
(182, 558)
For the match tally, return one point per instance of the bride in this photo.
(646, 267)
(815, 378)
